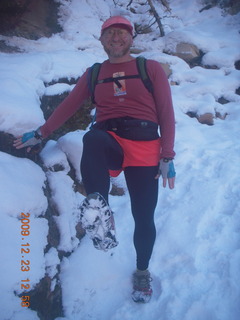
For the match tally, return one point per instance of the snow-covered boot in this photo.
(142, 291)
(98, 221)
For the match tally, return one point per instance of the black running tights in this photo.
(102, 152)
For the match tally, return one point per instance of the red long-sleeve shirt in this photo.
(133, 100)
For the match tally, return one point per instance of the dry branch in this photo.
(156, 16)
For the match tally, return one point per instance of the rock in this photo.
(206, 118)
(187, 51)
(117, 190)
(167, 69)
(229, 6)
(46, 300)
(166, 66)
(29, 18)
(237, 91)
(80, 120)
(221, 116)
(237, 64)
(222, 100)
(80, 232)
(234, 7)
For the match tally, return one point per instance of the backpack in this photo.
(142, 73)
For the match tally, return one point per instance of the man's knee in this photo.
(94, 137)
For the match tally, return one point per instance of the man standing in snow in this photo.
(124, 137)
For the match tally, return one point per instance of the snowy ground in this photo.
(197, 251)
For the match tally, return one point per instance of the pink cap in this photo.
(118, 22)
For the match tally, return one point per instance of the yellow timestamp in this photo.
(25, 264)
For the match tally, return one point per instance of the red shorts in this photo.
(137, 153)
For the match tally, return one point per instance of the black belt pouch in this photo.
(130, 128)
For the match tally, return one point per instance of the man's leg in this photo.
(101, 152)
(143, 190)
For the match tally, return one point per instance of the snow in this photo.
(195, 264)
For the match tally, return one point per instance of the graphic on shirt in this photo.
(119, 90)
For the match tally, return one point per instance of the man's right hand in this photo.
(28, 139)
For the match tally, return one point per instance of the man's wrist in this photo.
(38, 134)
(167, 159)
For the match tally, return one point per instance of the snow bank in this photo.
(21, 189)
(195, 264)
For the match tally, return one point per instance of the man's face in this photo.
(116, 42)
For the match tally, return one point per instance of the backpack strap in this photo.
(142, 73)
(116, 79)
(142, 70)
(92, 78)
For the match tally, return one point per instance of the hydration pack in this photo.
(142, 73)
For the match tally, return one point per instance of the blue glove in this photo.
(28, 139)
(167, 169)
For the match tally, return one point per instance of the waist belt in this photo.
(130, 128)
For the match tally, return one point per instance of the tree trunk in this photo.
(158, 19)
